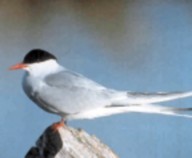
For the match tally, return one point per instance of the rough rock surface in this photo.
(68, 142)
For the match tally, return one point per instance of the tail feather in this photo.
(146, 108)
(153, 109)
(124, 98)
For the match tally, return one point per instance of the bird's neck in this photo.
(45, 68)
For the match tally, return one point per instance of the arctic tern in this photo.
(70, 95)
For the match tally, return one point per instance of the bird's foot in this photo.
(58, 125)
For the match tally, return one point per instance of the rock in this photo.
(68, 142)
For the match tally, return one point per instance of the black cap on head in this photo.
(37, 55)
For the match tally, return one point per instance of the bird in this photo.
(71, 95)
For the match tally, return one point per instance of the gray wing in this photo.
(71, 79)
(130, 98)
(146, 98)
(69, 92)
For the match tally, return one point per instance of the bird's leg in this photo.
(59, 124)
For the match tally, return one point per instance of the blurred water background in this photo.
(122, 44)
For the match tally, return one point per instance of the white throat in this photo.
(42, 69)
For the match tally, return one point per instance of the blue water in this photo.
(126, 45)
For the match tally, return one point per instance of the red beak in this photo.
(18, 66)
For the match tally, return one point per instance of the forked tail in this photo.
(124, 98)
(152, 109)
